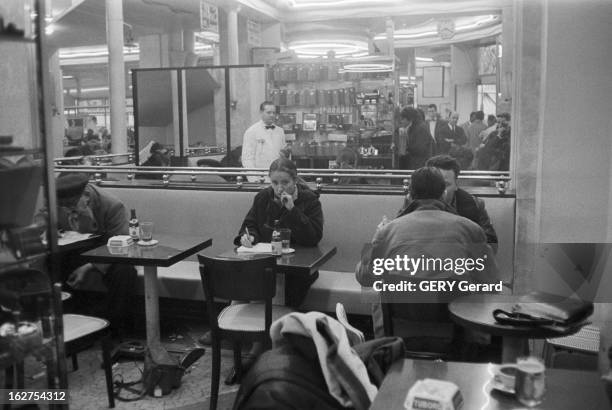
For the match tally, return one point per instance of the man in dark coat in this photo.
(464, 203)
(85, 208)
(415, 144)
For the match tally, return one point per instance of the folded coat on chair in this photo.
(345, 374)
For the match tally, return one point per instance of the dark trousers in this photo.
(115, 305)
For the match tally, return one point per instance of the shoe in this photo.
(206, 339)
(232, 378)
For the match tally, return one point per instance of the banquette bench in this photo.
(350, 221)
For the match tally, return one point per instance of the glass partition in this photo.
(205, 115)
(155, 102)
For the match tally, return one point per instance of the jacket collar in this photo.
(428, 205)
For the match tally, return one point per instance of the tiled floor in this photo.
(88, 388)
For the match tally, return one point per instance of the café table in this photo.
(306, 260)
(476, 312)
(169, 250)
(565, 389)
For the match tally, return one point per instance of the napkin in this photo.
(261, 247)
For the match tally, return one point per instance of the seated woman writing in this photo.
(289, 200)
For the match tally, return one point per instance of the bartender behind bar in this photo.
(263, 141)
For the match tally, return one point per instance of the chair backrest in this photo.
(235, 279)
(430, 307)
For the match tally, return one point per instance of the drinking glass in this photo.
(285, 238)
(146, 231)
(530, 381)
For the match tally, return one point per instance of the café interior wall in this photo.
(577, 145)
(464, 74)
(444, 102)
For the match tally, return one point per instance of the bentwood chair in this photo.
(239, 280)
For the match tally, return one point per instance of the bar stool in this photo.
(585, 342)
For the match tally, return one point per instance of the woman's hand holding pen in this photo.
(247, 239)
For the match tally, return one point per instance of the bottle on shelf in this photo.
(134, 226)
(276, 242)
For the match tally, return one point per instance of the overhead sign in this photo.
(254, 33)
(209, 21)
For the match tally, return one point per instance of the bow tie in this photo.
(270, 127)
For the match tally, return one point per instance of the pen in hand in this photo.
(246, 238)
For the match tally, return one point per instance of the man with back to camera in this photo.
(85, 208)
(462, 202)
(263, 141)
(429, 227)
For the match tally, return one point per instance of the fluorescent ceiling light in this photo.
(367, 68)
(67, 77)
(301, 4)
(320, 48)
(426, 59)
(93, 51)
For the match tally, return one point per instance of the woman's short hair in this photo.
(284, 165)
(427, 183)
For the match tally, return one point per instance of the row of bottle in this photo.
(314, 97)
(329, 71)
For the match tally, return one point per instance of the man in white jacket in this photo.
(263, 141)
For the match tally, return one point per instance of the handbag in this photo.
(545, 310)
(161, 374)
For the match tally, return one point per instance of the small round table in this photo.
(476, 312)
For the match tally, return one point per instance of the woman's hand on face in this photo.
(247, 240)
(287, 201)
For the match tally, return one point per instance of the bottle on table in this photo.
(134, 226)
(276, 242)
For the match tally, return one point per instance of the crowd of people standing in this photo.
(475, 144)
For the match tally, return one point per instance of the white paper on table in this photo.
(261, 247)
(69, 237)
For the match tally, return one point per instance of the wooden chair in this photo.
(239, 280)
(422, 313)
(580, 350)
(80, 332)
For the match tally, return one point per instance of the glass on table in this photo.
(146, 231)
(285, 238)
(530, 380)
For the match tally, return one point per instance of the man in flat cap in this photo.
(85, 208)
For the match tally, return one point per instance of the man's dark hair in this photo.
(434, 106)
(504, 115)
(262, 106)
(479, 115)
(445, 162)
(472, 116)
(427, 183)
(491, 119)
(410, 114)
